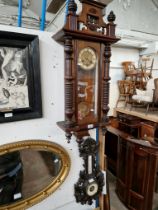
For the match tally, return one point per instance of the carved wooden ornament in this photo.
(91, 180)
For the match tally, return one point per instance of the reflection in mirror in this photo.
(30, 171)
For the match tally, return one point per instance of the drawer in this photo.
(147, 131)
(128, 119)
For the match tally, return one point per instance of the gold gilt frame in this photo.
(45, 146)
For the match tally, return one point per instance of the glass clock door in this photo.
(87, 83)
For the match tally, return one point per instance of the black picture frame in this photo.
(20, 82)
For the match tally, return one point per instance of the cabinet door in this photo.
(121, 184)
(147, 131)
(111, 141)
(140, 180)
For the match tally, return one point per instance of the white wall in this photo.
(136, 15)
(52, 77)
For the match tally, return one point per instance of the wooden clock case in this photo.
(86, 30)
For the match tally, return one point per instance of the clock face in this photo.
(87, 58)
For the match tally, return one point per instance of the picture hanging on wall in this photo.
(20, 88)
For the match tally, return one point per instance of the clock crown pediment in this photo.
(89, 24)
(90, 20)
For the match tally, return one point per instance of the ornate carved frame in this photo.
(43, 145)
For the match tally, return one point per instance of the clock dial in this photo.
(87, 58)
(92, 189)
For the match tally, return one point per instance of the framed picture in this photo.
(20, 88)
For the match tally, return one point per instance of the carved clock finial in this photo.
(72, 7)
(111, 26)
(71, 18)
(111, 17)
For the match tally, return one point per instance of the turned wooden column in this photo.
(105, 83)
(111, 26)
(71, 22)
(69, 82)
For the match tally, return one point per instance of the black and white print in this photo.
(13, 78)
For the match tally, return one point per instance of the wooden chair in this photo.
(134, 74)
(130, 71)
(126, 90)
(146, 65)
(147, 98)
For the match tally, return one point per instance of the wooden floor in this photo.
(139, 112)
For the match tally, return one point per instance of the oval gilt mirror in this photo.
(30, 171)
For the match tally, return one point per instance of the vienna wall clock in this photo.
(87, 43)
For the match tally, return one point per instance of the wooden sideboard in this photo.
(136, 173)
(132, 155)
(141, 130)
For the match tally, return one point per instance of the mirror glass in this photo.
(30, 171)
